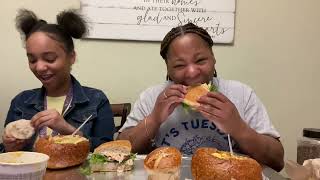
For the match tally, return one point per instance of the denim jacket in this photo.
(86, 101)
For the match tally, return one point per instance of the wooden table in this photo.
(137, 174)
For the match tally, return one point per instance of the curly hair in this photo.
(69, 25)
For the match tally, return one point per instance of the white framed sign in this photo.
(150, 20)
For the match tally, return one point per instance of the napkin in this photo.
(310, 170)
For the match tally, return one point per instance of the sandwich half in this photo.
(112, 156)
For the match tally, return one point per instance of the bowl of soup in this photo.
(23, 165)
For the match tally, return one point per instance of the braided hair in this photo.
(69, 25)
(180, 31)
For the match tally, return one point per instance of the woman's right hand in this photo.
(167, 101)
(12, 144)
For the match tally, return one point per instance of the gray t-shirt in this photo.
(188, 130)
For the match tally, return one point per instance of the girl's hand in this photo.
(52, 119)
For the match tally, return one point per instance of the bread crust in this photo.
(164, 160)
(20, 129)
(205, 166)
(194, 93)
(125, 144)
(63, 155)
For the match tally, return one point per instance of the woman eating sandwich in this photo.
(195, 108)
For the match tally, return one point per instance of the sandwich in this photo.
(195, 92)
(209, 163)
(63, 150)
(111, 156)
(20, 129)
(163, 163)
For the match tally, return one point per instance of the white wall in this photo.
(276, 51)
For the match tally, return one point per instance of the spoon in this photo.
(230, 145)
(81, 125)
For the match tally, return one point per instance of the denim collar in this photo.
(37, 99)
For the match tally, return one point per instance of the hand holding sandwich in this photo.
(16, 135)
(167, 101)
(217, 108)
(11, 143)
(141, 135)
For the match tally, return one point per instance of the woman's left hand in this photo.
(220, 110)
(52, 119)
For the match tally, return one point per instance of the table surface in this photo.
(138, 173)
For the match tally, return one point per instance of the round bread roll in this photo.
(209, 163)
(163, 163)
(63, 150)
(20, 129)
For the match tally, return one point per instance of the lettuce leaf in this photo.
(92, 159)
(212, 88)
(131, 156)
(100, 159)
(86, 169)
(186, 107)
(97, 159)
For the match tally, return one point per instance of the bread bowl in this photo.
(209, 163)
(63, 150)
(163, 163)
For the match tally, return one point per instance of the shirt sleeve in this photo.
(103, 128)
(257, 117)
